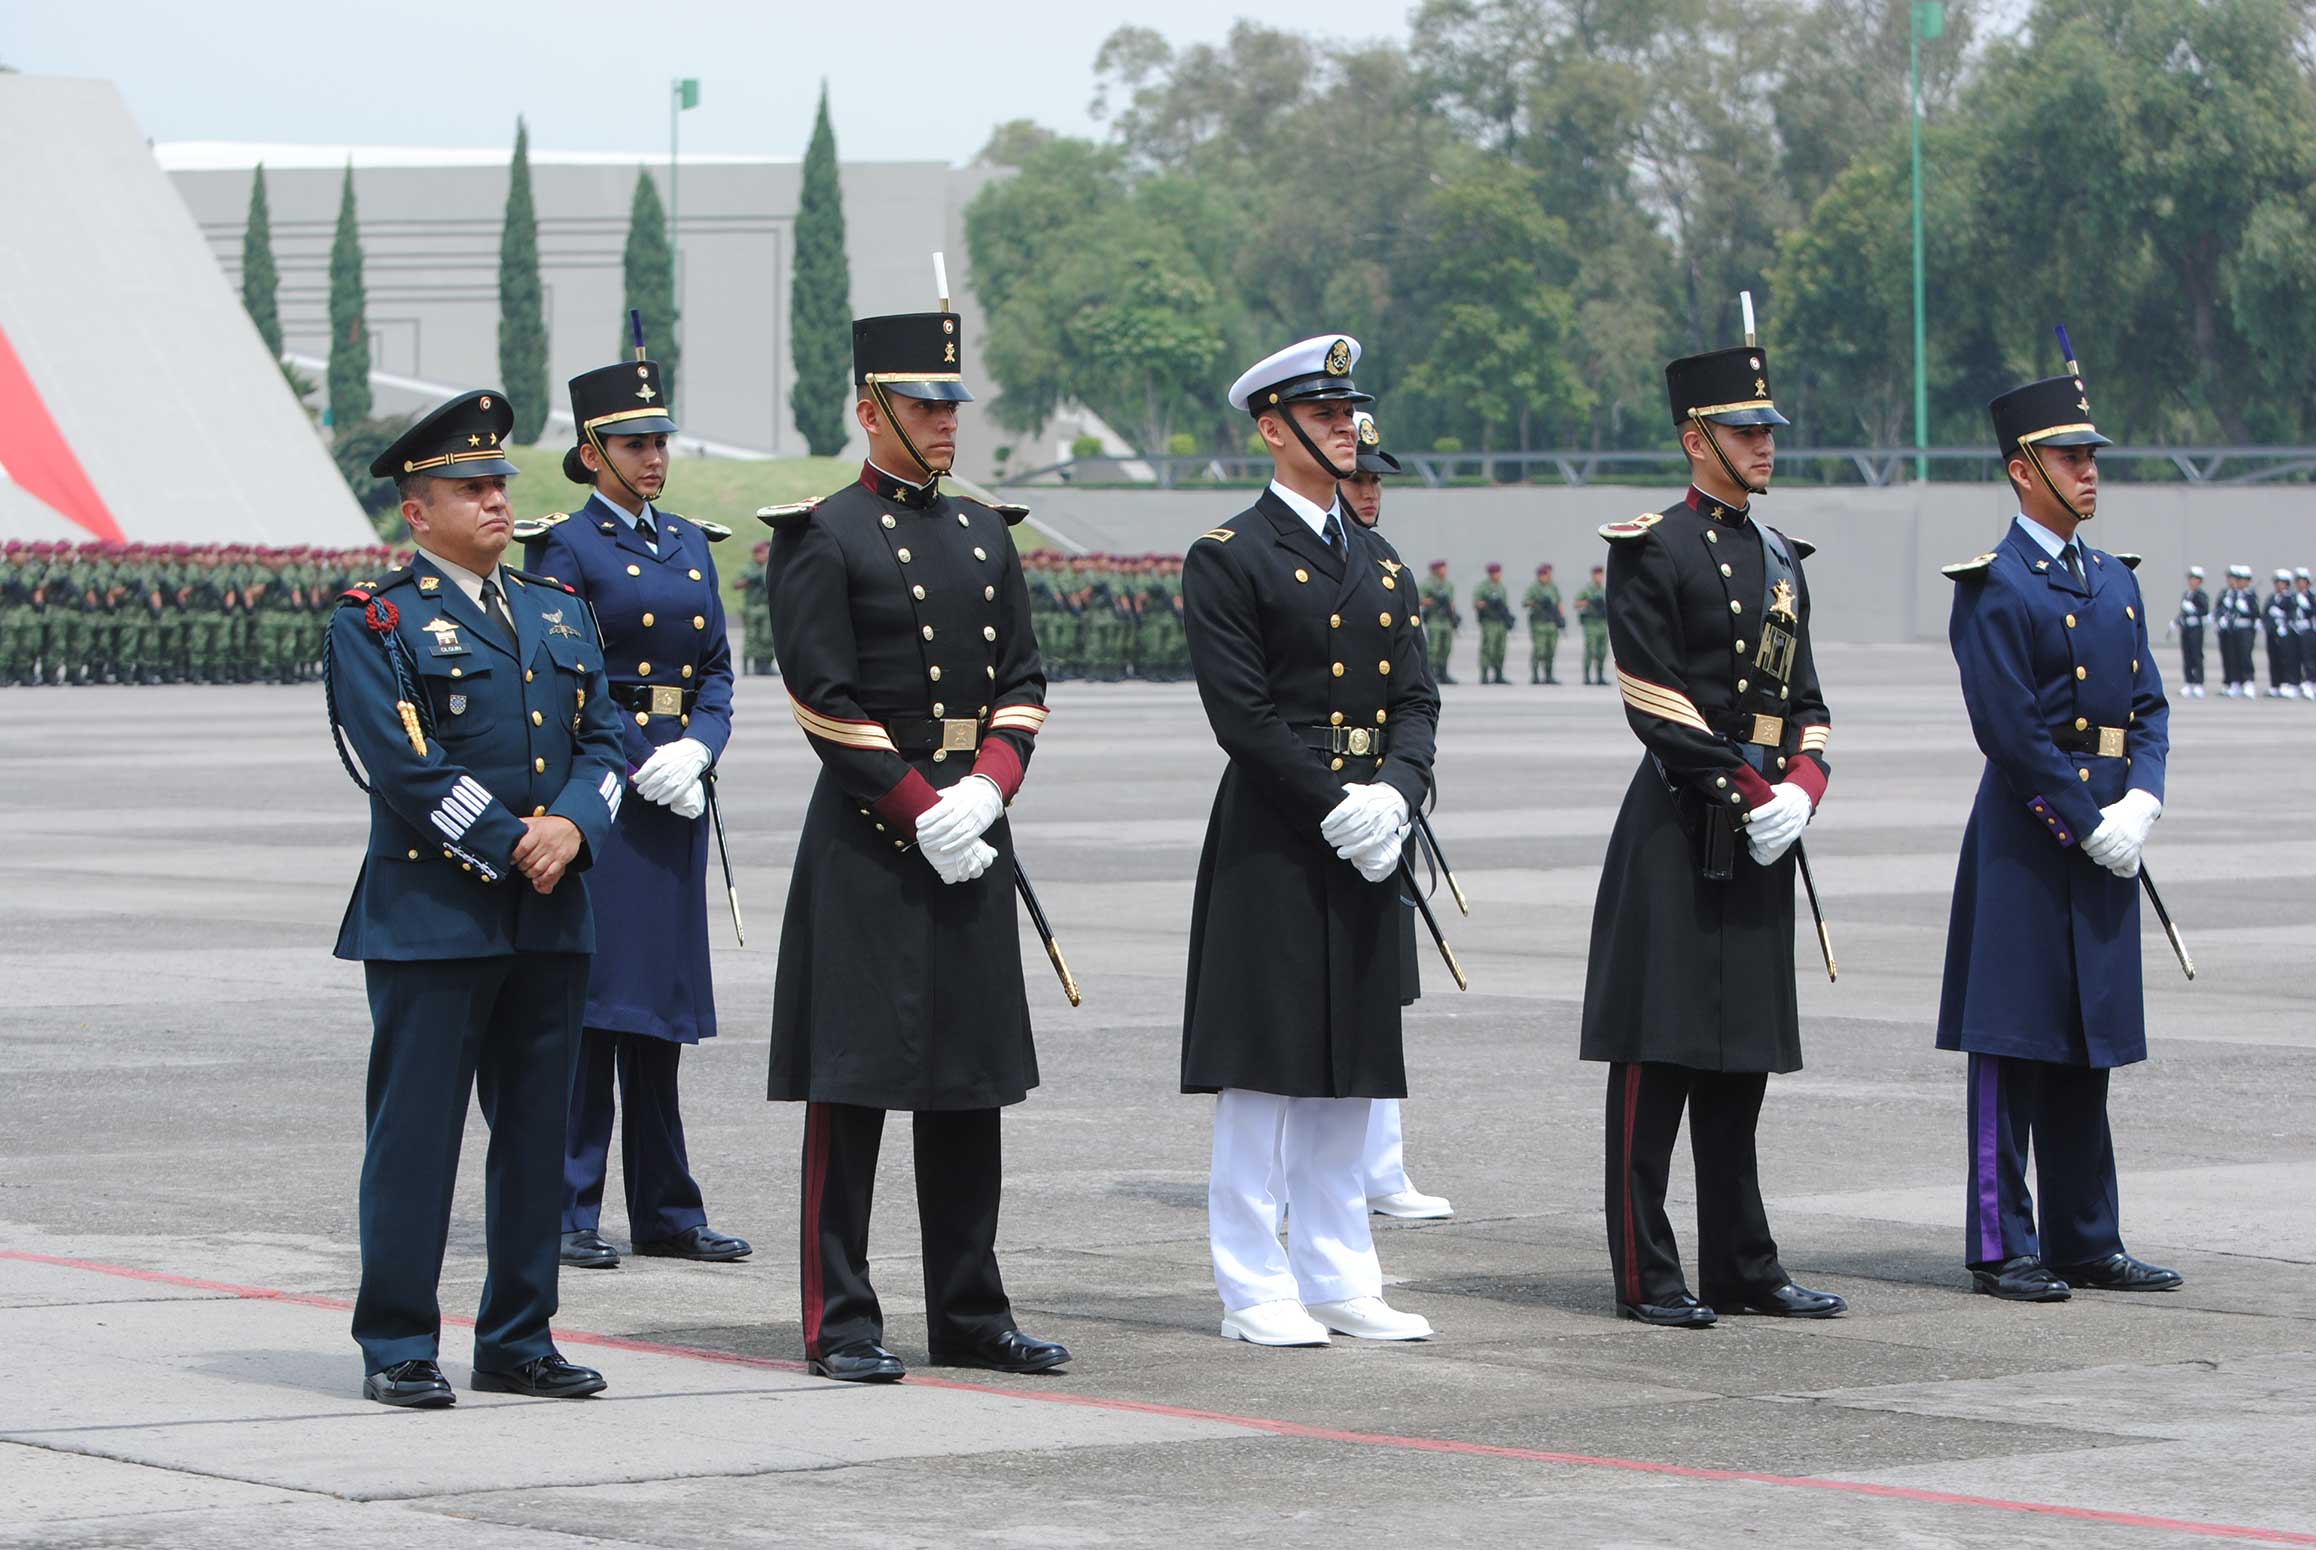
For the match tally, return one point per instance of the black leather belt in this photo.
(2096, 742)
(957, 734)
(655, 699)
(1358, 742)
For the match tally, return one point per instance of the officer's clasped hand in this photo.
(965, 812)
(963, 864)
(2122, 833)
(1366, 814)
(1380, 859)
(676, 765)
(1771, 828)
(691, 802)
(547, 848)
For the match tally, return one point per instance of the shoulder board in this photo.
(1969, 570)
(399, 576)
(1634, 528)
(1014, 515)
(534, 578)
(1802, 548)
(2130, 561)
(794, 514)
(530, 530)
(714, 532)
(1221, 535)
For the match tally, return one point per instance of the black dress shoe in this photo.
(2024, 1279)
(542, 1377)
(586, 1250)
(2119, 1272)
(1012, 1351)
(1682, 1311)
(864, 1361)
(1784, 1302)
(700, 1243)
(414, 1385)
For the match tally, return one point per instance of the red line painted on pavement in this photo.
(1278, 1428)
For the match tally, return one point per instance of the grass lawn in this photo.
(726, 490)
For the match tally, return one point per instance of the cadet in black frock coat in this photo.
(903, 630)
(1309, 658)
(1689, 990)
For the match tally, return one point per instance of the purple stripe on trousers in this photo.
(1986, 1102)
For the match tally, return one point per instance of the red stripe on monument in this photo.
(38, 458)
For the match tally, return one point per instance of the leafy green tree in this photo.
(349, 372)
(820, 299)
(522, 300)
(259, 279)
(650, 272)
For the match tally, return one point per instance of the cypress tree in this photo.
(651, 283)
(349, 328)
(522, 301)
(820, 299)
(258, 277)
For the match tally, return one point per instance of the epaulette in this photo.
(1971, 570)
(2130, 561)
(532, 529)
(1636, 527)
(534, 578)
(1221, 535)
(794, 514)
(1014, 515)
(714, 532)
(1802, 548)
(360, 593)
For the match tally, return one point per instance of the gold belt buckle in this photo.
(1360, 741)
(1768, 731)
(2110, 742)
(667, 702)
(959, 735)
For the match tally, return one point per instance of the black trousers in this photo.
(662, 1197)
(2061, 1112)
(2191, 653)
(1735, 1253)
(960, 1174)
(2236, 656)
(506, 1030)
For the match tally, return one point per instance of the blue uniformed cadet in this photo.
(648, 576)
(469, 700)
(2042, 954)
(2283, 613)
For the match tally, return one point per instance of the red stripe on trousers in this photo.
(815, 1181)
(1631, 1121)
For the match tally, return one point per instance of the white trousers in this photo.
(1318, 1145)
(1386, 1159)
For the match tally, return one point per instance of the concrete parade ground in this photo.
(181, 1070)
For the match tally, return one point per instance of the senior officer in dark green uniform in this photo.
(1689, 991)
(1310, 663)
(906, 647)
(474, 699)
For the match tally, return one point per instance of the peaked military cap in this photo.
(2055, 412)
(2196, 571)
(914, 354)
(1372, 458)
(629, 399)
(463, 438)
(1309, 371)
(1728, 387)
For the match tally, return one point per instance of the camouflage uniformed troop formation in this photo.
(1108, 616)
(174, 613)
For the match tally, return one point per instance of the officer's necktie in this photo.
(1335, 534)
(2074, 561)
(648, 533)
(495, 609)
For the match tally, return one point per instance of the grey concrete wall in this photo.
(141, 352)
(430, 239)
(1875, 576)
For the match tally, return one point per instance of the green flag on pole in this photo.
(1930, 19)
(688, 89)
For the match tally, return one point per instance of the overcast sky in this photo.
(908, 80)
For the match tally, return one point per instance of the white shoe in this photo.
(1274, 1323)
(1370, 1318)
(1411, 1205)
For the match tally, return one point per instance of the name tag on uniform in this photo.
(446, 641)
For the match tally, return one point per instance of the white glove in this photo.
(961, 865)
(2122, 833)
(1771, 828)
(675, 766)
(1366, 814)
(691, 801)
(1380, 859)
(964, 812)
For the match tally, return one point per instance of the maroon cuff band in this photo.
(1001, 764)
(1750, 785)
(906, 803)
(1809, 775)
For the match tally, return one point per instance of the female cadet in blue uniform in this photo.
(2042, 951)
(473, 698)
(652, 584)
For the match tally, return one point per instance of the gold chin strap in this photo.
(884, 403)
(2035, 458)
(1705, 429)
